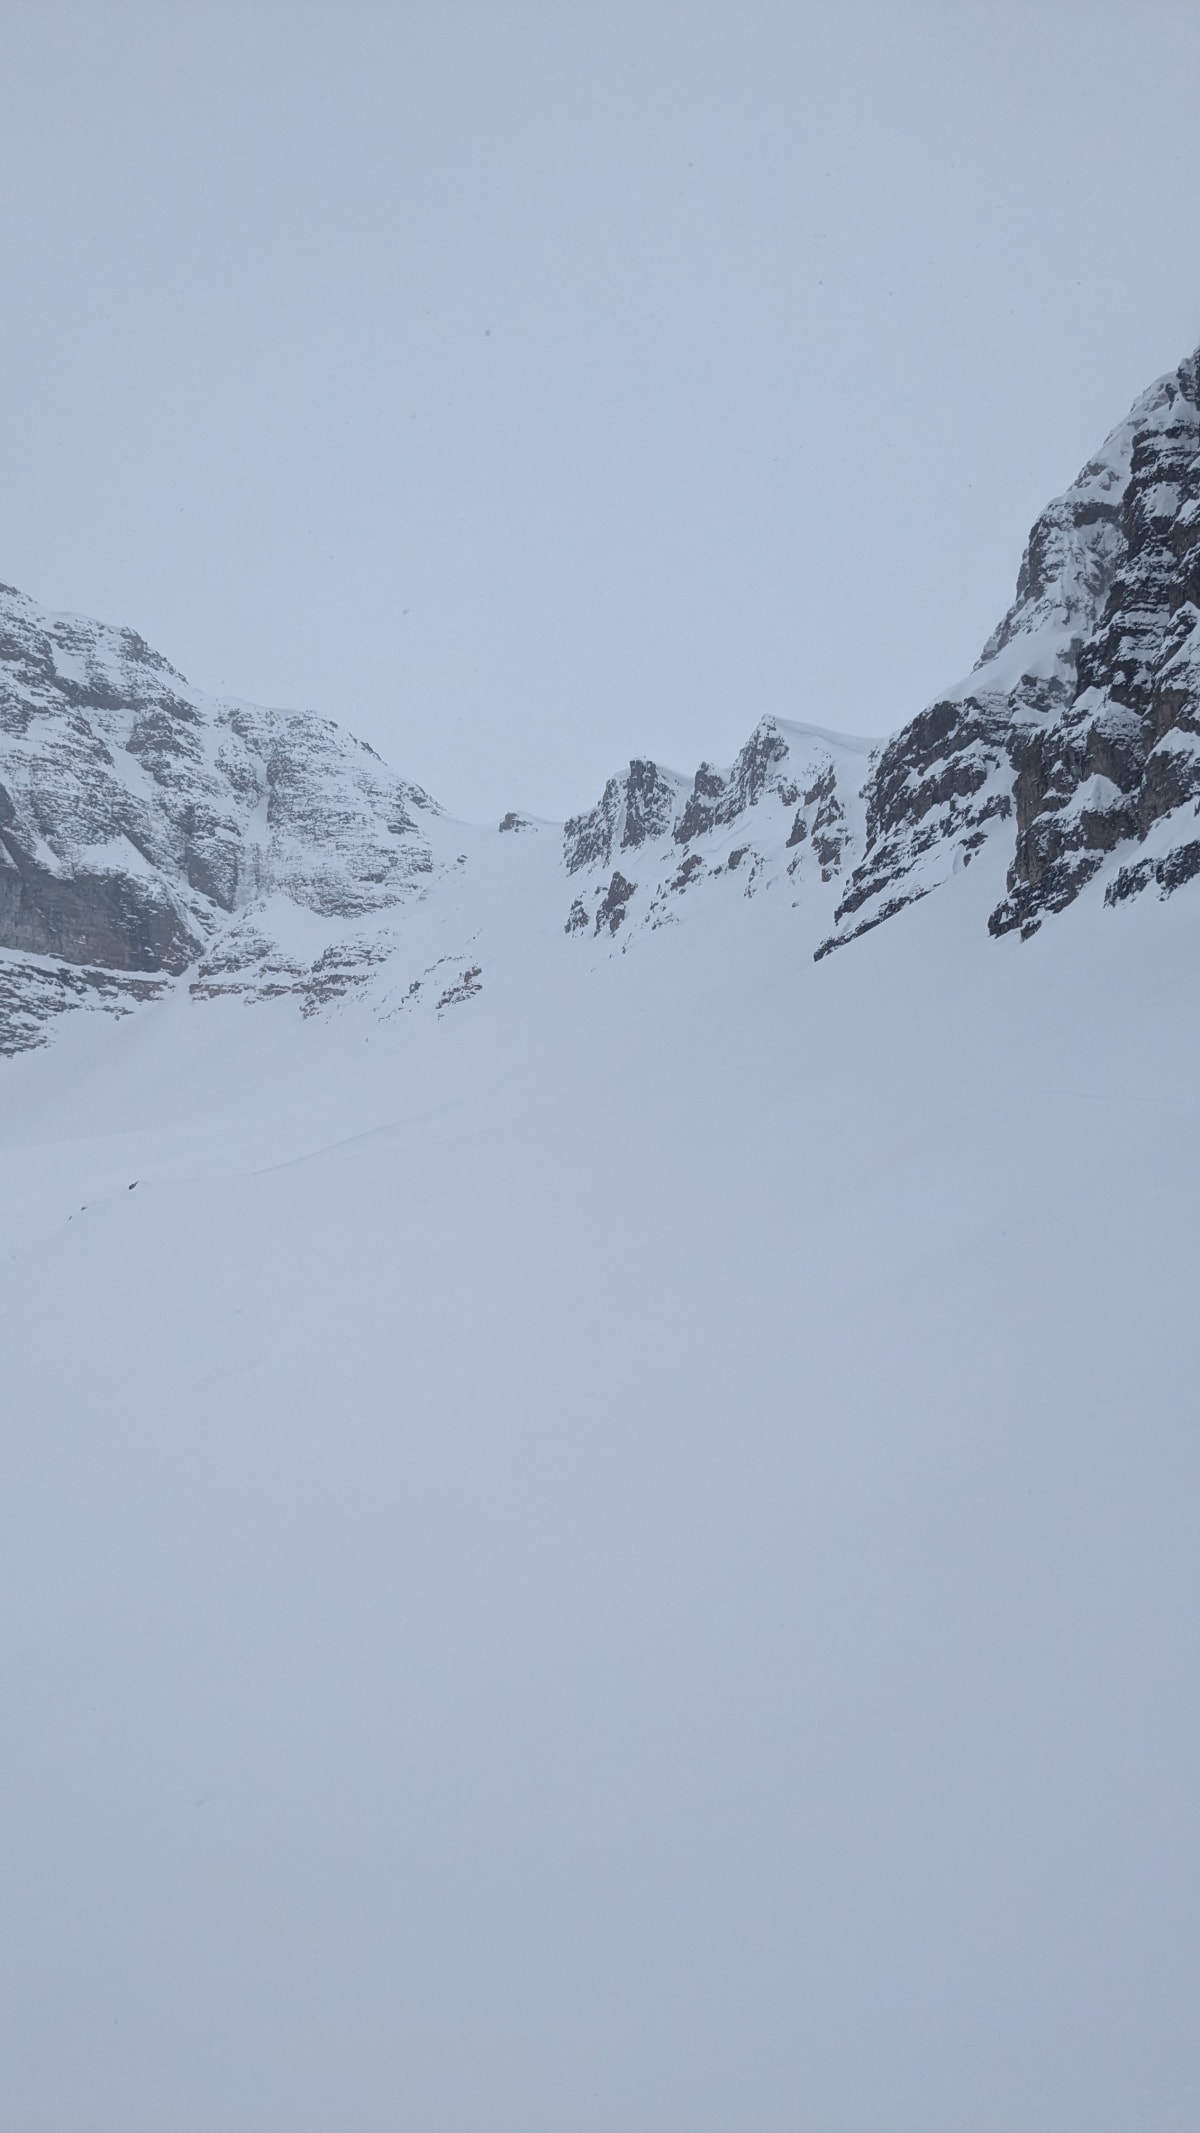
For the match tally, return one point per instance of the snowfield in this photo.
(613, 1546)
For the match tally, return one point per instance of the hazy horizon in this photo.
(526, 387)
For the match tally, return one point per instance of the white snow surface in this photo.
(611, 1544)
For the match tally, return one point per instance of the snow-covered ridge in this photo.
(152, 835)
(786, 814)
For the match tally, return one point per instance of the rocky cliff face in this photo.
(1120, 767)
(147, 830)
(1075, 736)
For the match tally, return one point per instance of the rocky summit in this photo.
(152, 836)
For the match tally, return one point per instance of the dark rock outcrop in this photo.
(610, 912)
(1124, 755)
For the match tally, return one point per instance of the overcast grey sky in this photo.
(532, 383)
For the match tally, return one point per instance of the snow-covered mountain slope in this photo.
(1075, 737)
(147, 830)
(785, 816)
(1073, 740)
(600, 1505)
(151, 836)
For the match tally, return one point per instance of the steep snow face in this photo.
(146, 829)
(1076, 732)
